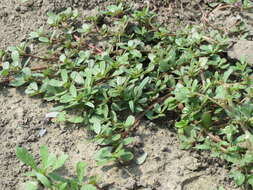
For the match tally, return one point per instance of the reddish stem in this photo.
(142, 114)
(42, 58)
(217, 140)
(89, 45)
(10, 78)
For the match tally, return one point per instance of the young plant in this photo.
(45, 173)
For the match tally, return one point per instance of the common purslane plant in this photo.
(121, 66)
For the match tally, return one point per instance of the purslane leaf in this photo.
(56, 83)
(88, 187)
(81, 170)
(130, 121)
(76, 119)
(77, 77)
(238, 177)
(31, 185)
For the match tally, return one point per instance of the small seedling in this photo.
(45, 173)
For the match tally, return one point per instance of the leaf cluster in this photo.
(46, 174)
(122, 65)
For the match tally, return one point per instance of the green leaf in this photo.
(91, 105)
(221, 188)
(104, 153)
(44, 154)
(32, 88)
(77, 77)
(2, 53)
(34, 35)
(84, 55)
(227, 74)
(88, 80)
(140, 160)
(238, 177)
(43, 179)
(105, 161)
(181, 92)
(56, 177)
(4, 72)
(81, 170)
(72, 90)
(136, 53)
(44, 39)
(164, 65)
(88, 187)
(63, 58)
(52, 18)
(202, 147)
(93, 179)
(113, 8)
(66, 98)
(182, 124)
(24, 156)
(15, 58)
(116, 137)
(61, 117)
(56, 83)
(130, 121)
(63, 186)
(31, 173)
(19, 81)
(6, 65)
(128, 140)
(127, 156)
(142, 85)
(250, 180)
(96, 125)
(131, 105)
(64, 75)
(75, 119)
(50, 161)
(85, 28)
(60, 161)
(221, 92)
(27, 71)
(206, 119)
(31, 185)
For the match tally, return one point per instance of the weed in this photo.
(46, 174)
(141, 69)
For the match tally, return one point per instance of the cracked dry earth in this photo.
(167, 167)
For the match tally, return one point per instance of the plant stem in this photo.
(41, 58)
(142, 114)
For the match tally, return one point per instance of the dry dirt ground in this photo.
(167, 167)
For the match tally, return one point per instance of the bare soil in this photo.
(167, 167)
